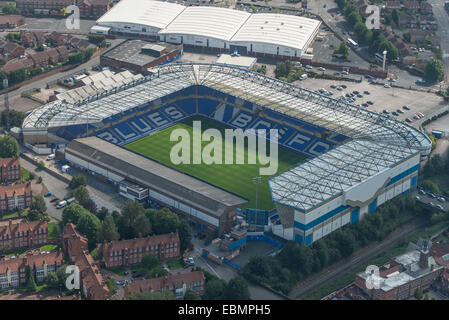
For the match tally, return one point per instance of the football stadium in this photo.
(337, 162)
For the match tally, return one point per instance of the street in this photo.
(442, 19)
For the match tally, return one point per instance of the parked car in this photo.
(408, 120)
(321, 69)
(333, 86)
(61, 204)
(400, 111)
(48, 194)
(54, 200)
(441, 199)
(370, 102)
(406, 107)
(366, 92)
(395, 113)
(308, 67)
(439, 207)
(417, 198)
(386, 111)
(386, 85)
(344, 86)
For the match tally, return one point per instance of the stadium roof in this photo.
(156, 14)
(218, 23)
(340, 169)
(380, 133)
(155, 175)
(287, 30)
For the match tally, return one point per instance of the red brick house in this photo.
(16, 196)
(63, 53)
(18, 234)
(53, 56)
(13, 272)
(40, 59)
(412, 5)
(75, 246)
(10, 169)
(28, 40)
(177, 284)
(94, 8)
(28, 64)
(130, 252)
(14, 50)
(42, 6)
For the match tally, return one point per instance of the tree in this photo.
(88, 224)
(433, 70)
(15, 118)
(191, 295)
(81, 195)
(108, 231)
(72, 213)
(41, 165)
(34, 215)
(164, 221)
(31, 283)
(52, 280)
(141, 226)
(150, 262)
(237, 289)
(96, 38)
(395, 16)
(62, 276)
(79, 180)
(185, 235)
(127, 220)
(9, 147)
(17, 76)
(9, 8)
(214, 289)
(102, 213)
(38, 204)
(343, 49)
(418, 293)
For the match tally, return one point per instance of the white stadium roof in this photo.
(218, 23)
(377, 140)
(287, 30)
(156, 14)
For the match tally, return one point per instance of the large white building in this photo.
(211, 27)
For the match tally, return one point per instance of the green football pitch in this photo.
(236, 178)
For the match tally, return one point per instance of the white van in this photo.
(303, 76)
(51, 157)
(61, 204)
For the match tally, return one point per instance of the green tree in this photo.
(164, 221)
(15, 118)
(141, 226)
(38, 204)
(191, 295)
(343, 49)
(31, 283)
(52, 280)
(81, 195)
(418, 293)
(108, 231)
(88, 224)
(79, 180)
(395, 16)
(17, 76)
(9, 147)
(150, 262)
(72, 213)
(215, 289)
(96, 38)
(237, 289)
(433, 70)
(41, 165)
(127, 220)
(185, 235)
(9, 8)
(34, 215)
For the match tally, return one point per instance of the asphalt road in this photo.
(332, 273)
(442, 19)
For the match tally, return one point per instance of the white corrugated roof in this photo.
(150, 13)
(287, 30)
(219, 23)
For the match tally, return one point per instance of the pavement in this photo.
(55, 24)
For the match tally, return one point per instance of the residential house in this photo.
(53, 56)
(177, 284)
(94, 8)
(12, 66)
(75, 245)
(13, 271)
(40, 59)
(412, 5)
(19, 234)
(16, 196)
(10, 169)
(28, 64)
(418, 35)
(28, 40)
(63, 53)
(408, 21)
(11, 21)
(42, 6)
(390, 5)
(427, 23)
(130, 252)
(426, 8)
(13, 50)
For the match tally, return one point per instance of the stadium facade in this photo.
(358, 158)
(218, 29)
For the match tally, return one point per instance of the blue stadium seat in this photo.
(248, 106)
(284, 133)
(157, 118)
(319, 147)
(273, 114)
(242, 120)
(187, 105)
(140, 124)
(108, 136)
(300, 141)
(205, 91)
(231, 99)
(338, 138)
(124, 131)
(225, 113)
(207, 106)
(262, 123)
(173, 113)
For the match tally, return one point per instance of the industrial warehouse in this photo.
(357, 159)
(217, 29)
